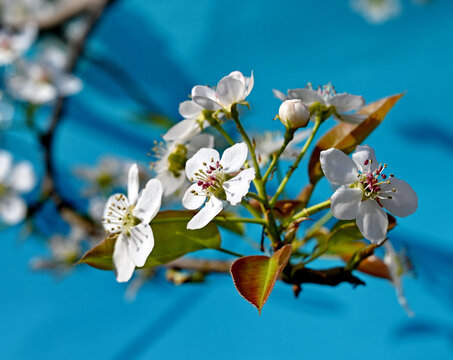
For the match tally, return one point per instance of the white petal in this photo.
(67, 84)
(355, 118)
(206, 214)
(149, 201)
(249, 83)
(140, 244)
(307, 96)
(279, 95)
(372, 221)
(12, 209)
(114, 212)
(345, 203)
(23, 177)
(198, 142)
(365, 154)
(24, 39)
(230, 91)
(170, 182)
(404, 200)
(122, 263)
(238, 187)
(346, 102)
(205, 97)
(234, 157)
(192, 201)
(189, 109)
(132, 184)
(6, 161)
(183, 130)
(195, 163)
(338, 167)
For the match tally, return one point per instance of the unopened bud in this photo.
(294, 113)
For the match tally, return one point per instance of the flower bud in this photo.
(294, 113)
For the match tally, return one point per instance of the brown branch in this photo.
(208, 266)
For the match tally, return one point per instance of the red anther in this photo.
(366, 162)
(212, 168)
(384, 176)
(199, 183)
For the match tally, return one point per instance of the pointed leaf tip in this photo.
(254, 276)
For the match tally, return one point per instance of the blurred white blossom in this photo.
(377, 11)
(14, 43)
(15, 180)
(43, 80)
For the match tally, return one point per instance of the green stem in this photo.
(289, 135)
(309, 211)
(216, 219)
(296, 162)
(254, 196)
(222, 131)
(269, 216)
(229, 252)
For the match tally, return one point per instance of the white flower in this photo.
(15, 43)
(270, 142)
(365, 190)
(232, 89)
(44, 80)
(217, 180)
(171, 160)
(194, 121)
(110, 174)
(14, 180)
(325, 100)
(397, 266)
(129, 217)
(294, 113)
(377, 11)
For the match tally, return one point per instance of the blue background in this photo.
(170, 46)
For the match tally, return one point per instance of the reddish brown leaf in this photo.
(255, 276)
(372, 265)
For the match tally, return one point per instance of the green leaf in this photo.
(255, 276)
(235, 227)
(346, 137)
(171, 241)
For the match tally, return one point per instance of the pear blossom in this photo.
(15, 43)
(294, 113)
(325, 101)
(377, 11)
(364, 190)
(397, 265)
(271, 141)
(231, 89)
(218, 181)
(129, 217)
(42, 81)
(15, 180)
(171, 160)
(194, 121)
(110, 174)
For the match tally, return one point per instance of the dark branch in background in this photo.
(47, 139)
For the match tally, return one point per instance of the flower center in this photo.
(104, 180)
(120, 216)
(371, 182)
(326, 91)
(210, 178)
(177, 160)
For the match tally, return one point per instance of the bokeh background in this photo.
(169, 46)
